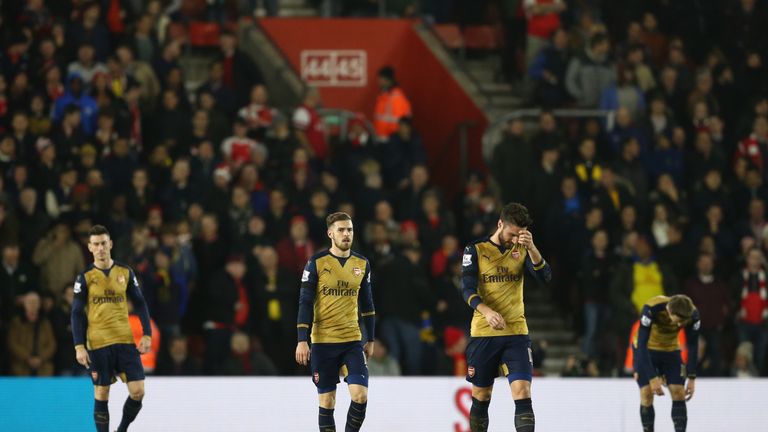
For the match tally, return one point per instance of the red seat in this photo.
(204, 34)
(481, 37)
(449, 35)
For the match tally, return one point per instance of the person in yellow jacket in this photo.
(391, 105)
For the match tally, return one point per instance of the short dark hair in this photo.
(516, 213)
(597, 39)
(98, 230)
(681, 305)
(335, 217)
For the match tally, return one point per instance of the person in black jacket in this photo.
(240, 72)
(229, 302)
(594, 283)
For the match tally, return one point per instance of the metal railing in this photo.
(495, 131)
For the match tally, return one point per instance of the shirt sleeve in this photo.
(367, 311)
(643, 362)
(469, 271)
(692, 342)
(79, 319)
(307, 300)
(541, 270)
(139, 304)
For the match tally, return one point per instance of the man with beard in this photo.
(334, 282)
(492, 284)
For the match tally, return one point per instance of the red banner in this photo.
(342, 57)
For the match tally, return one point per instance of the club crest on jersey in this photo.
(471, 371)
(316, 377)
(357, 271)
(515, 254)
(121, 279)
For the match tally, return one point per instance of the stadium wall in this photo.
(342, 57)
(395, 404)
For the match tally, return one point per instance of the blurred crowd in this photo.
(216, 199)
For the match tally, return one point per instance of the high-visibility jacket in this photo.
(148, 360)
(391, 106)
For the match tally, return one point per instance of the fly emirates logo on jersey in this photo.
(502, 275)
(342, 289)
(110, 296)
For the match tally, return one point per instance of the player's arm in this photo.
(692, 341)
(367, 310)
(79, 320)
(140, 308)
(540, 269)
(305, 317)
(469, 271)
(644, 364)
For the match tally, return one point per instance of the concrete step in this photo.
(544, 323)
(496, 87)
(563, 351)
(506, 101)
(539, 309)
(553, 366)
(553, 337)
(297, 12)
(287, 4)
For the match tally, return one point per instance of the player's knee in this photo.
(101, 393)
(137, 394)
(677, 392)
(482, 393)
(646, 396)
(328, 400)
(360, 395)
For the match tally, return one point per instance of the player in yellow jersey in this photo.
(493, 271)
(657, 356)
(335, 291)
(101, 330)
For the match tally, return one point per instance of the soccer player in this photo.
(657, 356)
(492, 277)
(335, 285)
(103, 338)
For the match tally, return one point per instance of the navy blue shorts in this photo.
(668, 365)
(121, 360)
(328, 360)
(489, 357)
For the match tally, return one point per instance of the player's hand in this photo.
(690, 388)
(81, 355)
(525, 238)
(145, 344)
(368, 349)
(495, 320)
(302, 353)
(656, 387)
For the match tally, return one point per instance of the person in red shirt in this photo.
(258, 115)
(239, 149)
(294, 252)
(543, 20)
(310, 130)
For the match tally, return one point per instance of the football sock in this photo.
(647, 416)
(355, 416)
(679, 415)
(101, 415)
(478, 415)
(325, 420)
(525, 421)
(130, 411)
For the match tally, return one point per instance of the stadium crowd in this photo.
(216, 199)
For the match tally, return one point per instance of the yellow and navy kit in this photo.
(656, 343)
(494, 275)
(333, 291)
(100, 308)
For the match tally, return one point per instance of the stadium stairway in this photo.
(290, 8)
(548, 328)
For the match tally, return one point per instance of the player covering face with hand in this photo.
(335, 293)
(493, 274)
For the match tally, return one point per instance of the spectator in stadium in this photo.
(33, 222)
(226, 99)
(403, 150)
(750, 283)
(594, 280)
(142, 73)
(381, 363)
(410, 197)
(391, 105)
(86, 65)
(743, 364)
(275, 310)
(711, 297)
(59, 258)
(165, 291)
(75, 95)
(177, 362)
(229, 303)
(401, 321)
(295, 250)
(625, 93)
(512, 163)
(590, 72)
(244, 359)
(543, 20)
(31, 340)
(309, 127)
(240, 73)
(258, 115)
(65, 362)
(548, 69)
